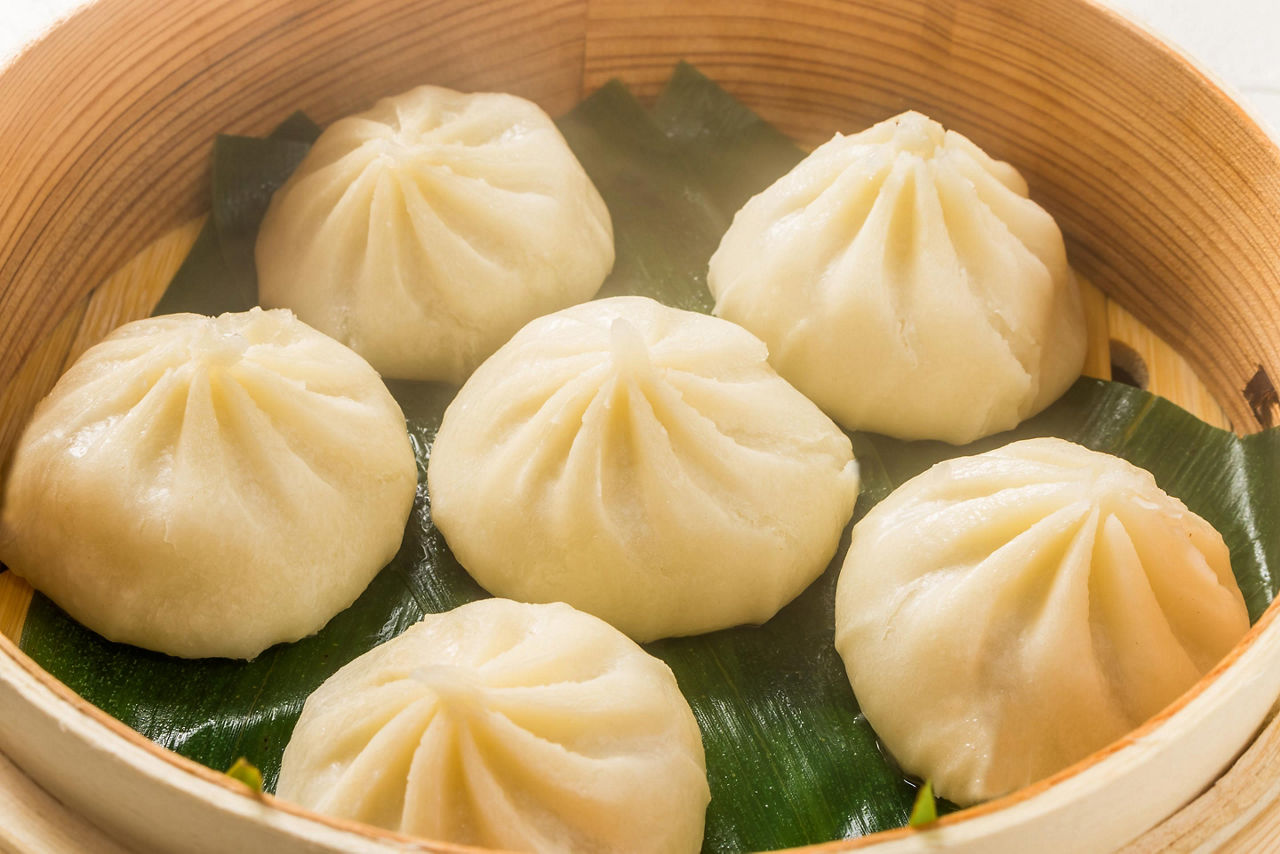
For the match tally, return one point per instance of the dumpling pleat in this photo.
(1003, 615)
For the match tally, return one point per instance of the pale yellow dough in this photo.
(904, 281)
(210, 486)
(1004, 615)
(424, 232)
(510, 726)
(644, 464)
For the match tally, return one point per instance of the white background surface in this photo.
(1239, 40)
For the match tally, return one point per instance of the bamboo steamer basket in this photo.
(1168, 193)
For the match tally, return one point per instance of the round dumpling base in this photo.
(643, 464)
(424, 232)
(904, 281)
(1004, 615)
(210, 486)
(511, 726)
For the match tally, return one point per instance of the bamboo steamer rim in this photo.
(208, 775)
(21, 67)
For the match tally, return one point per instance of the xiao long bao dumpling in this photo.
(510, 726)
(644, 464)
(1004, 615)
(424, 232)
(904, 281)
(210, 486)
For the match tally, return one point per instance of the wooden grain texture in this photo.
(1164, 370)
(127, 295)
(33, 822)
(15, 596)
(1240, 813)
(33, 380)
(1097, 356)
(1168, 194)
(105, 123)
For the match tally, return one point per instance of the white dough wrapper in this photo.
(424, 232)
(515, 727)
(904, 281)
(209, 486)
(1004, 615)
(644, 464)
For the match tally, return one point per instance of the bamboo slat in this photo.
(1169, 195)
(1240, 813)
(33, 822)
(127, 295)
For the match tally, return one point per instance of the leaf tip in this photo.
(925, 810)
(246, 772)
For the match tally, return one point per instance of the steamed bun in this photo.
(1004, 615)
(210, 486)
(904, 281)
(519, 727)
(644, 464)
(424, 232)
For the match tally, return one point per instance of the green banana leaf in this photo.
(790, 758)
(218, 273)
(665, 226)
(734, 151)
